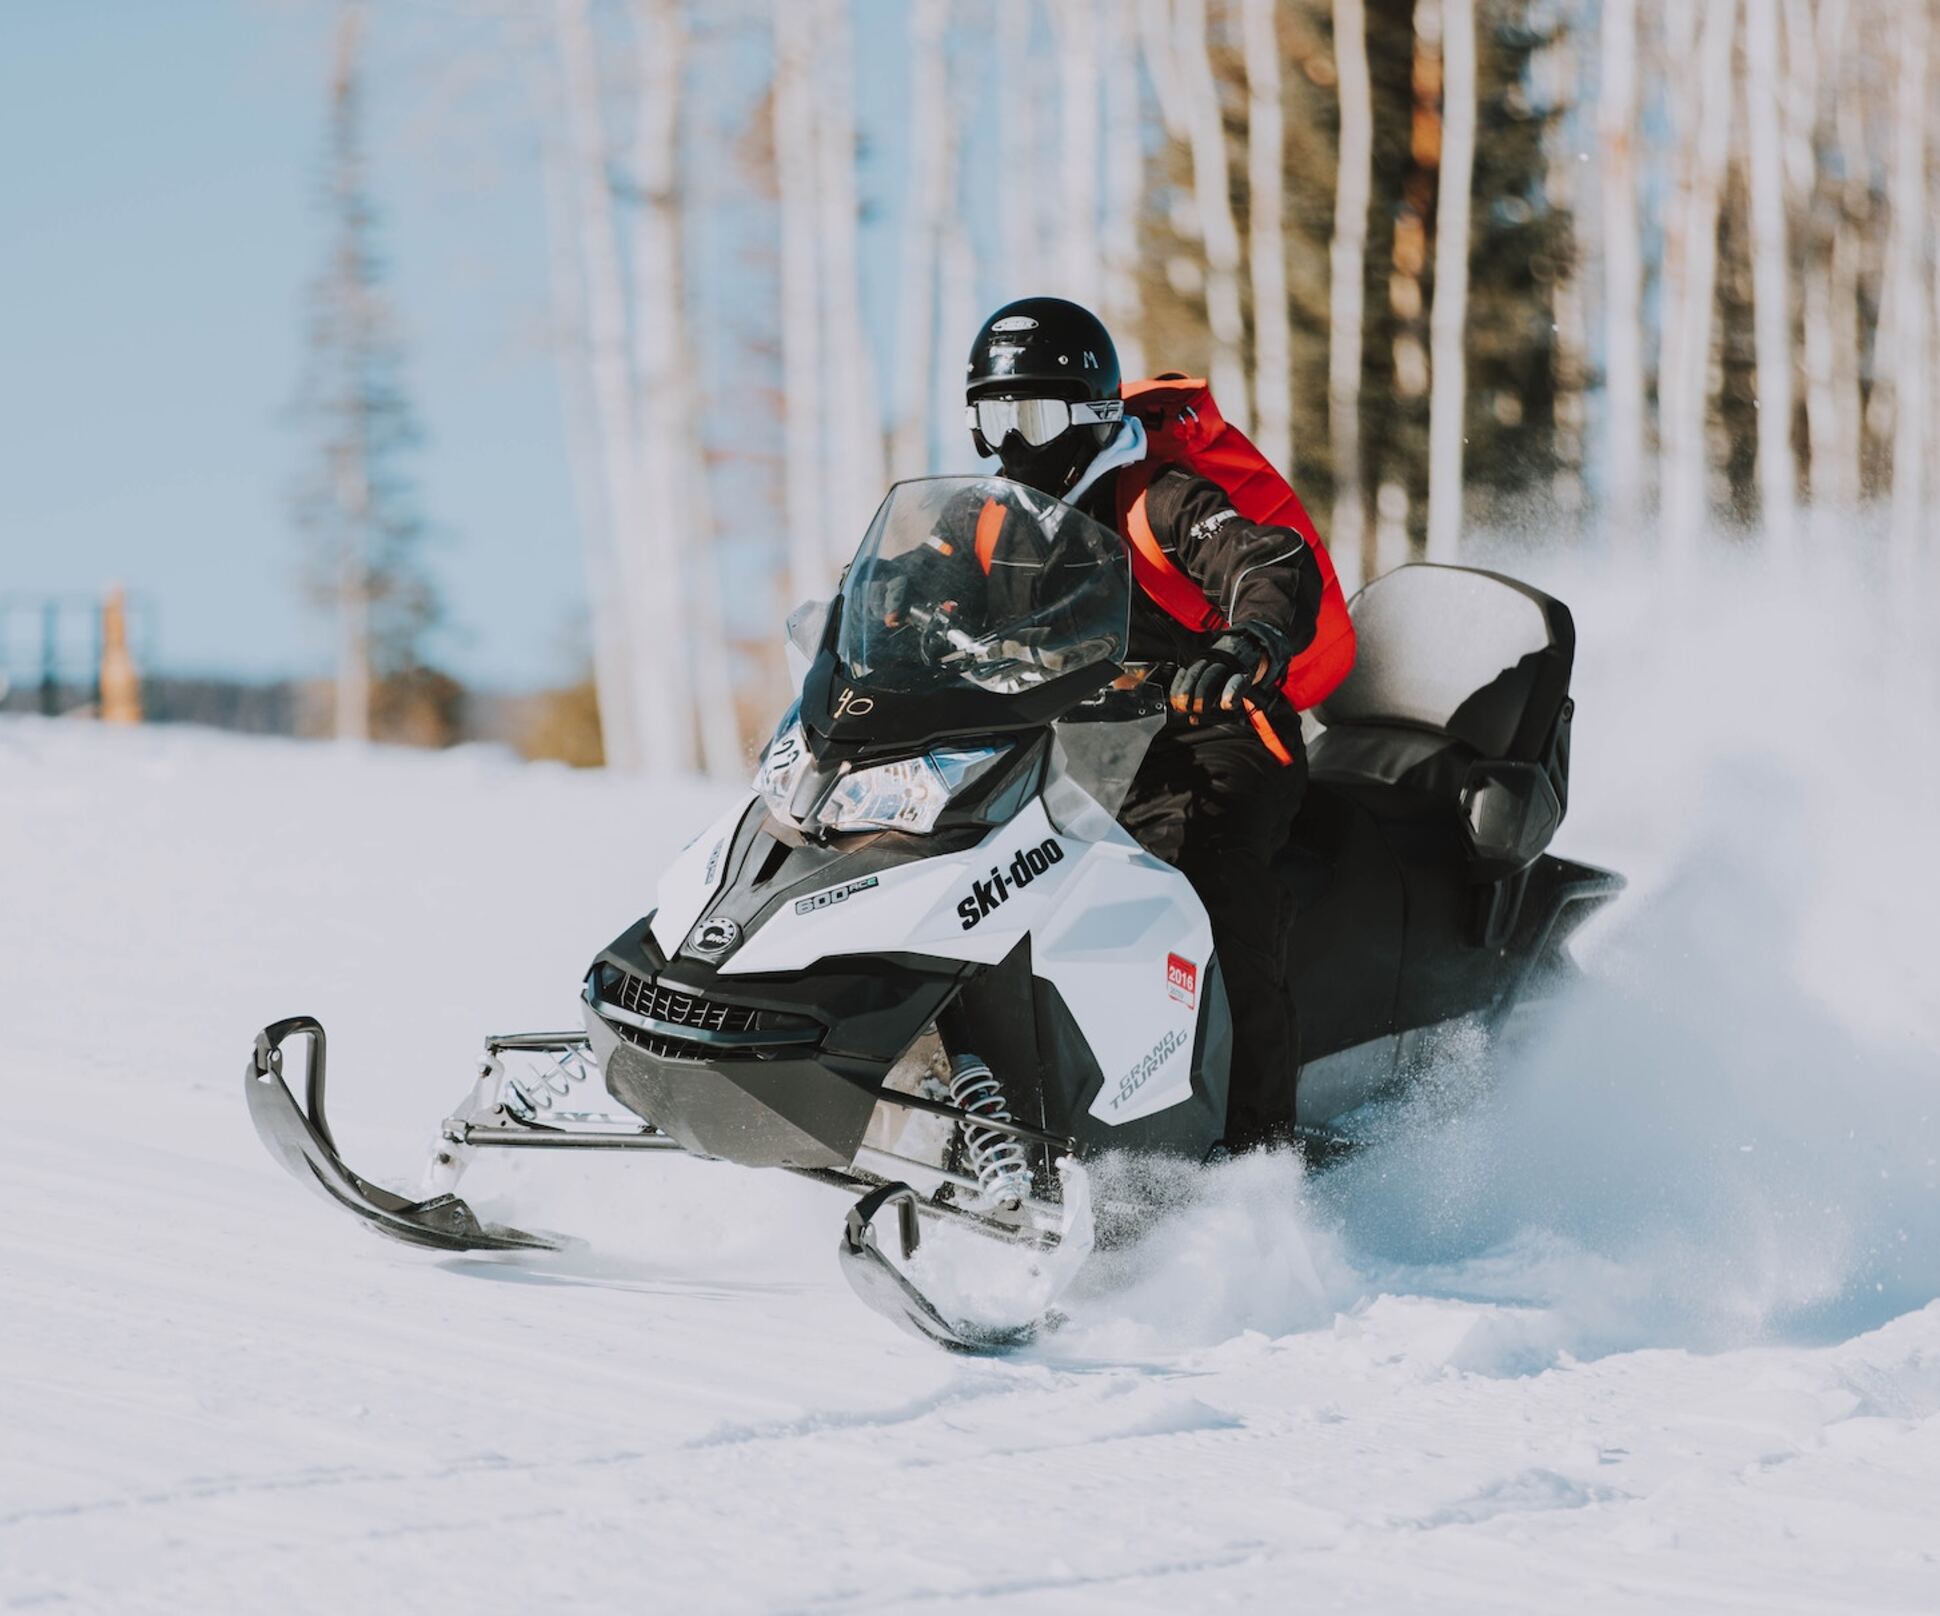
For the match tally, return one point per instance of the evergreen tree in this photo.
(358, 504)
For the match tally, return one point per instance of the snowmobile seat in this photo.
(1459, 700)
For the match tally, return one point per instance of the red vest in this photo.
(1183, 426)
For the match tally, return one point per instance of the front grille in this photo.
(673, 1007)
(663, 1003)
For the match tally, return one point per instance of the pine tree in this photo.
(358, 503)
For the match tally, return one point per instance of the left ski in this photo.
(303, 1144)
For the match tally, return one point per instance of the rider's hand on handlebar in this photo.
(1245, 657)
(888, 600)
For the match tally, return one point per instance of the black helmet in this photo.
(1043, 348)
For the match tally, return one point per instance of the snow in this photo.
(1651, 1324)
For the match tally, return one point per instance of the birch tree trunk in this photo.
(1685, 390)
(680, 533)
(1770, 268)
(1908, 269)
(1017, 219)
(810, 571)
(1448, 319)
(1346, 295)
(1078, 76)
(1158, 38)
(652, 628)
(1124, 188)
(1267, 246)
(1623, 268)
(956, 323)
(1854, 210)
(605, 592)
(923, 219)
(855, 419)
(1212, 208)
(1815, 53)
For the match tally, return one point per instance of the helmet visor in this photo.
(1039, 421)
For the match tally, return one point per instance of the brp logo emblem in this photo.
(713, 938)
(850, 705)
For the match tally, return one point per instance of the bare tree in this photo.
(1684, 391)
(1908, 272)
(1846, 425)
(855, 423)
(1124, 187)
(1212, 208)
(679, 544)
(1346, 296)
(606, 600)
(1078, 97)
(1814, 61)
(810, 570)
(660, 726)
(1448, 320)
(923, 225)
(1023, 266)
(1771, 281)
(1266, 227)
(1623, 265)
(1158, 39)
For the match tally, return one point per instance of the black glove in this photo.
(1247, 656)
(887, 599)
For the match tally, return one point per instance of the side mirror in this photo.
(1509, 813)
(807, 624)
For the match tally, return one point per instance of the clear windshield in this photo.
(980, 581)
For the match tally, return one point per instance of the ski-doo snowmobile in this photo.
(923, 962)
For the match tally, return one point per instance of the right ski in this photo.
(889, 1291)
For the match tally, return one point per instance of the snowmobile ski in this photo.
(886, 1289)
(302, 1142)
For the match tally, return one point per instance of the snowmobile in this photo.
(923, 962)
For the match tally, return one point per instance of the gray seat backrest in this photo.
(1471, 655)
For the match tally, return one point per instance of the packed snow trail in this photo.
(1651, 1323)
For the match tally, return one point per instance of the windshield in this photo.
(980, 581)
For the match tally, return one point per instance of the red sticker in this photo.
(1182, 979)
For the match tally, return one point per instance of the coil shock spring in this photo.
(537, 1090)
(999, 1161)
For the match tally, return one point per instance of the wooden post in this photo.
(120, 684)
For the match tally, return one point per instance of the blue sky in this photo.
(159, 233)
(160, 228)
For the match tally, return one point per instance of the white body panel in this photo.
(693, 878)
(1121, 935)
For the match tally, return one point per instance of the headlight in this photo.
(905, 795)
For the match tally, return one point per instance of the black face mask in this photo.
(1050, 468)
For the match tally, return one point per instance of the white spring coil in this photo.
(1003, 1169)
(534, 1091)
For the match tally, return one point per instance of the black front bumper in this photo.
(767, 1071)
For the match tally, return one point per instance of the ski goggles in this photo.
(1039, 420)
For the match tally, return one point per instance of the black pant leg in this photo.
(1215, 803)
